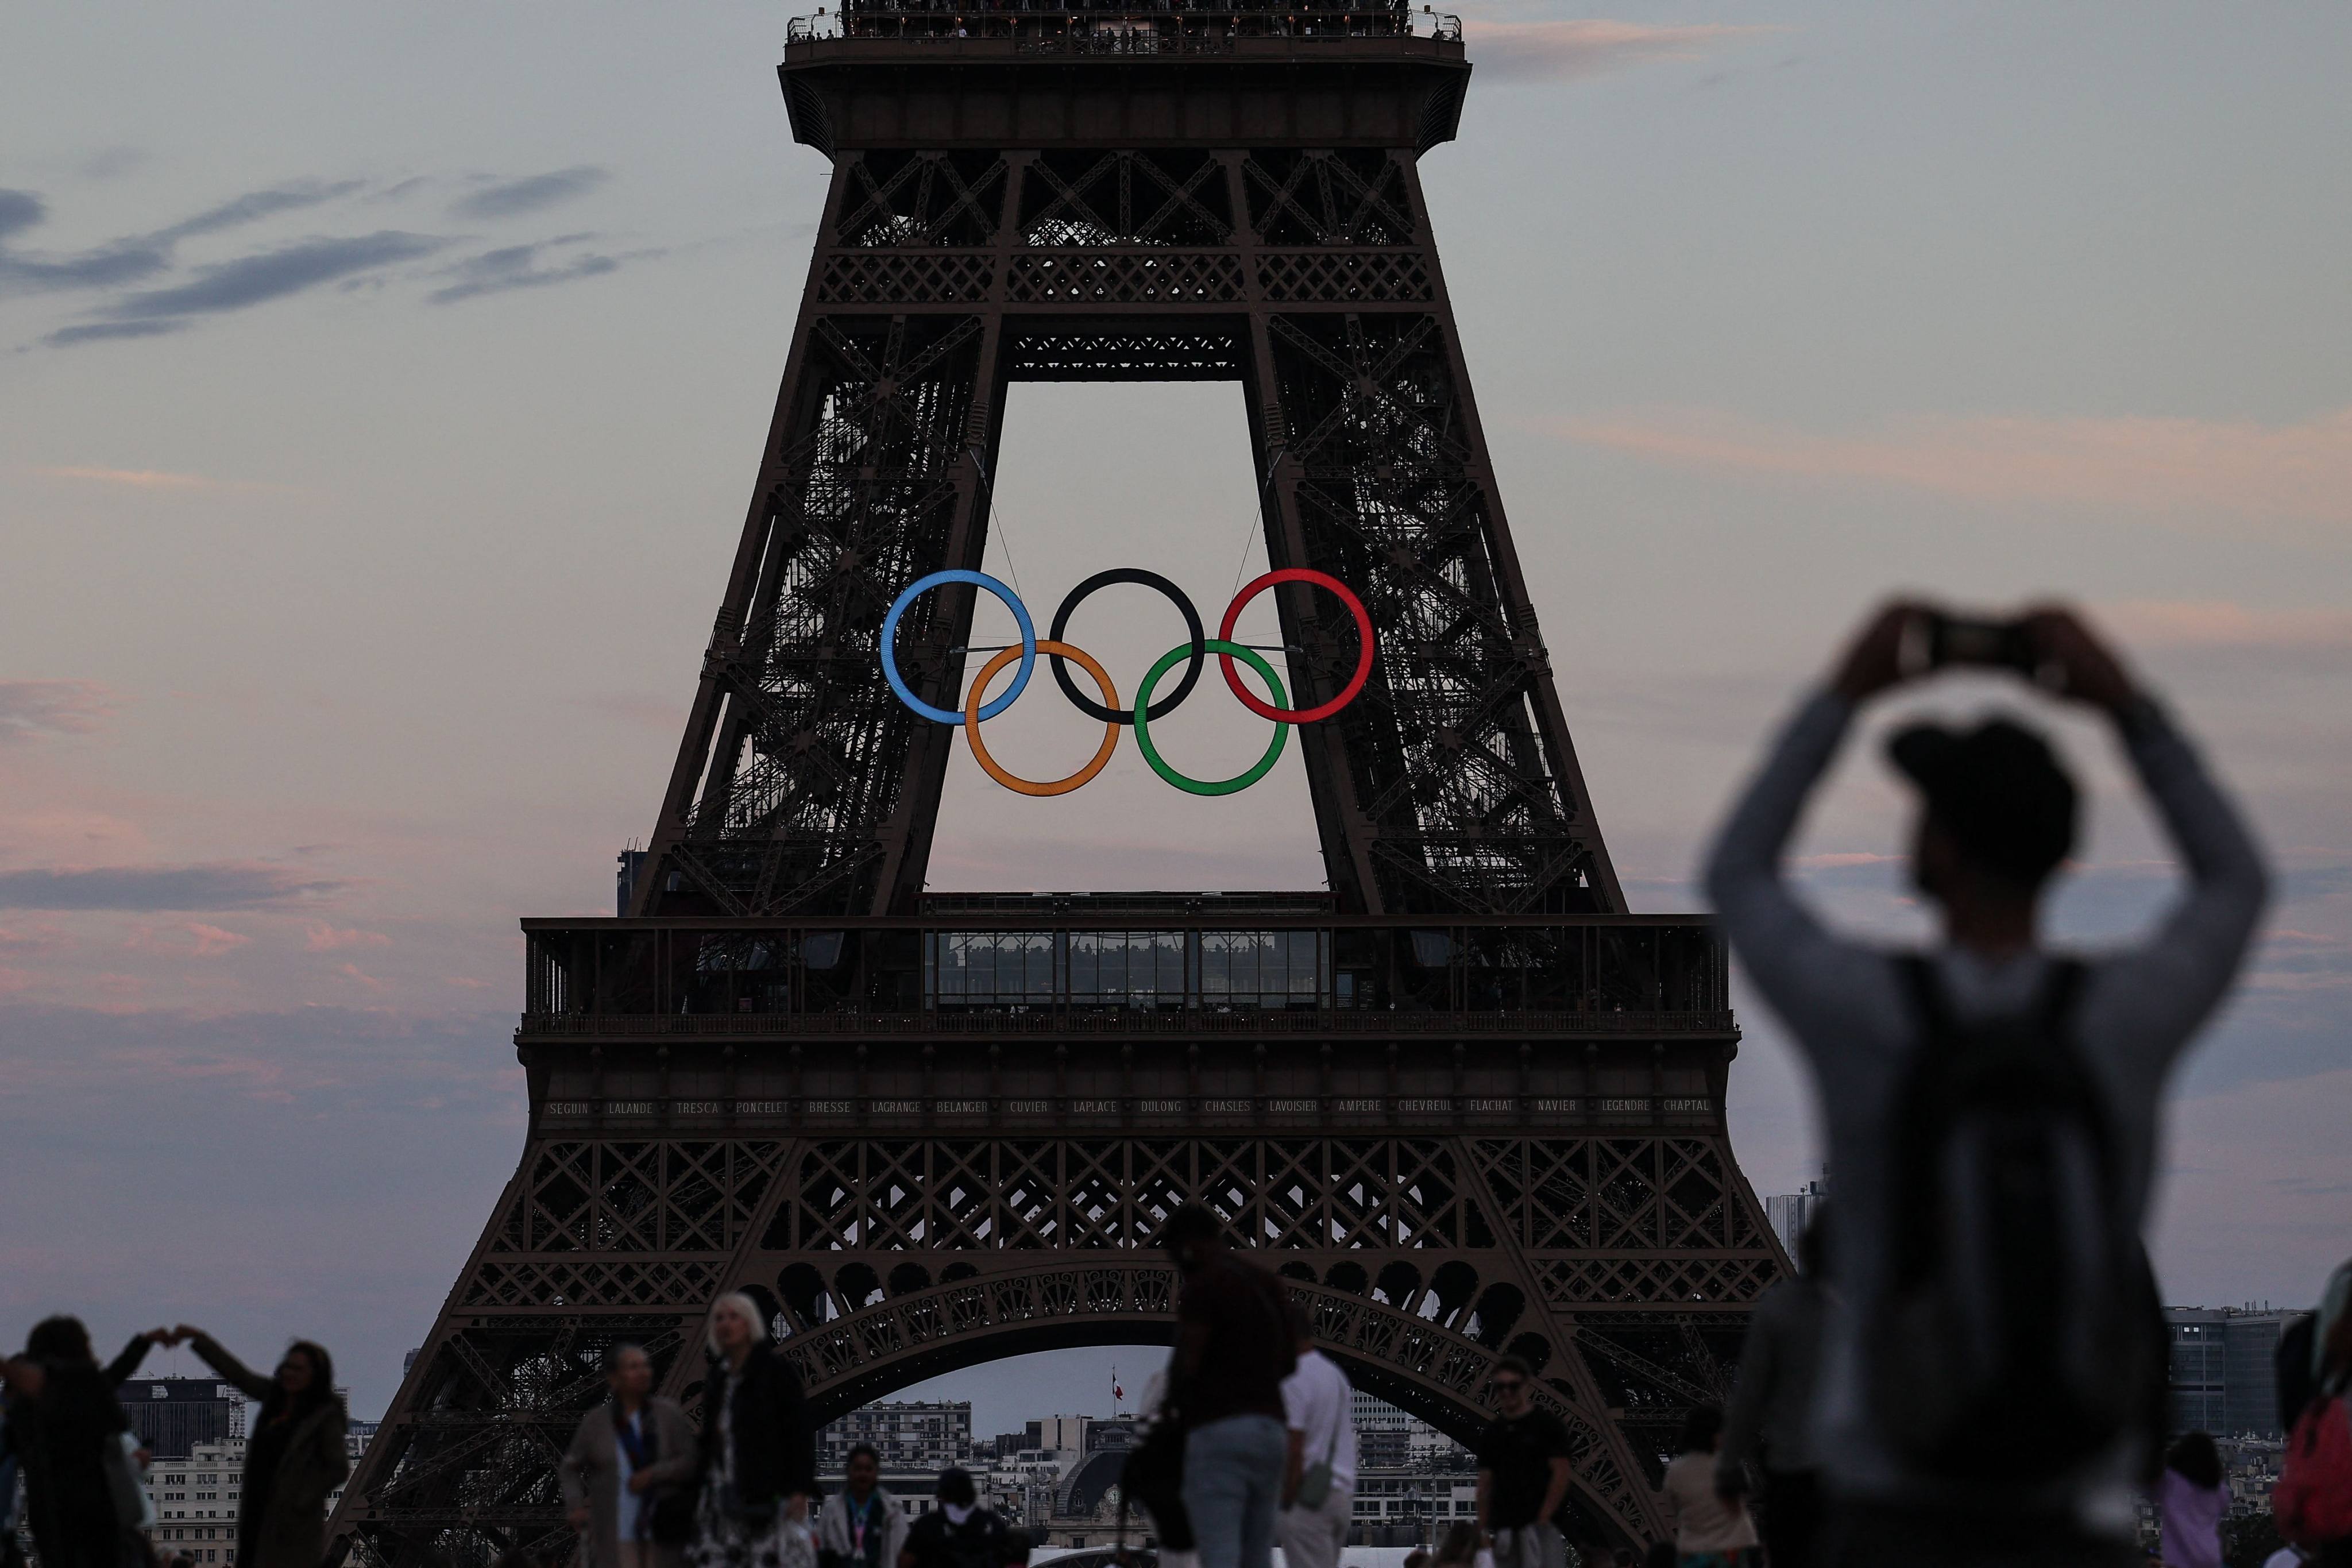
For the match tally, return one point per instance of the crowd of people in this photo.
(644, 1491)
(1969, 1369)
(64, 1432)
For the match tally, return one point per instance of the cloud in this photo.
(275, 274)
(510, 198)
(20, 210)
(107, 163)
(211, 941)
(30, 709)
(2219, 623)
(515, 267)
(104, 266)
(327, 938)
(27, 941)
(225, 885)
(108, 266)
(153, 480)
(99, 331)
(1568, 50)
(2303, 882)
(255, 206)
(2300, 471)
(129, 259)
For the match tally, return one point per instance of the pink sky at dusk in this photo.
(380, 391)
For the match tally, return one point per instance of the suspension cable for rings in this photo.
(996, 510)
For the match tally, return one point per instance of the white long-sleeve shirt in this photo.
(1848, 1008)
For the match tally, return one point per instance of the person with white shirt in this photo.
(1318, 1482)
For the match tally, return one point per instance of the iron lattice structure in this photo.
(1463, 1099)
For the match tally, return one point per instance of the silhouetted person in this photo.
(1457, 1547)
(1318, 1487)
(125, 1365)
(1152, 1478)
(65, 1432)
(2315, 1368)
(1233, 1348)
(1770, 1417)
(960, 1532)
(294, 1455)
(1523, 1473)
(1709, 1526)
(2303, 1361)
(2190, 1500)
(861, 1526)
(1990, 1112)
(758, 1451)
(628, 1477)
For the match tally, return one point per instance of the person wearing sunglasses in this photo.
(1523, 1466)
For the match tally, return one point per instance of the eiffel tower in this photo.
(1461, 1098)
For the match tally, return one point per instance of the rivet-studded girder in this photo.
(1622, 1265)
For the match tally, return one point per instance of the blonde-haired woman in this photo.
(759, 1453)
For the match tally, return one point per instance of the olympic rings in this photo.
(1363, 649)
(1193, 651)
(972, 712)
(978, 580)
(1240, 781)
(1183, 603)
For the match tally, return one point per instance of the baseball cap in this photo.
(1998, 790)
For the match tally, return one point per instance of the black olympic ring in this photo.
(1166, 705)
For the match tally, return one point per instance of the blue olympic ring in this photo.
(978, 580)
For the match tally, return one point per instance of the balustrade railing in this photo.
(1128, 971)
(1122, 27)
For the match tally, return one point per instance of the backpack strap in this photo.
(2054, 1006)
(2061, 993)
(1922, 1105)
(1926, 989)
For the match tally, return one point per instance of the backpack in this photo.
(2012, 1344)
(1152, 1479)
(2312, 1500)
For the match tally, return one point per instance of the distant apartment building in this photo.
(913, 1488)
(195, 1498)
(1789, 1213)
(1383, 1434)
(2223, 1376)
(1388, 1438)
(173, 1414)
(1065, 1432)
(909, 1435)
(1397, 1508)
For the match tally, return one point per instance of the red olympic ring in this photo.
(1259, 705)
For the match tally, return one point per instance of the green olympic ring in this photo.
(1240, 781)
